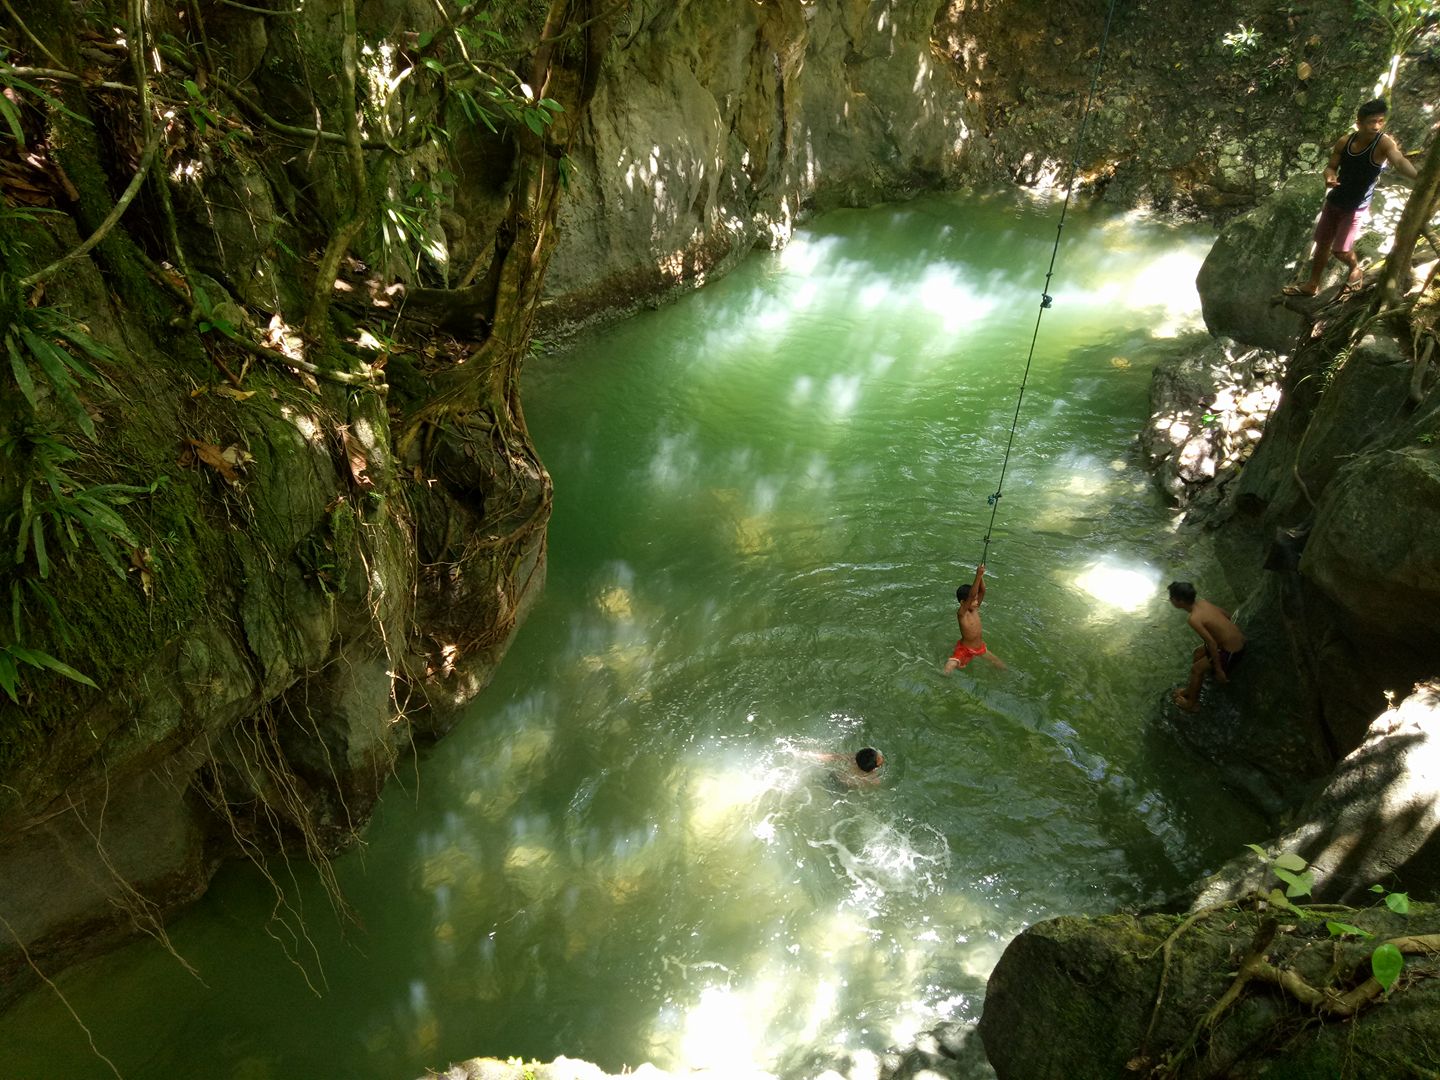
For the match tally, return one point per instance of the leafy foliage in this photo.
(51, 358)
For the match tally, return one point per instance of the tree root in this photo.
(1166, 948)
(116, 212)
(1324, 1001)
(90, 1038)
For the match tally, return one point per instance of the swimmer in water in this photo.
(854, 770)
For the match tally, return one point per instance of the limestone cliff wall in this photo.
(720, 126)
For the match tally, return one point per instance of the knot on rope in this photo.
(991, 500)
(1046, 300)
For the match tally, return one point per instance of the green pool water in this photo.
(765, 497)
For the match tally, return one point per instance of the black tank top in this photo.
(1358, 174)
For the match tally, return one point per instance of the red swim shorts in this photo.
(964, 653)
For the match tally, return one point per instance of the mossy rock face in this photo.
(1077, 997)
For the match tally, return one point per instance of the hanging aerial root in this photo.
(90, 1038)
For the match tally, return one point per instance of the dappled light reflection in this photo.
(1117, 585)
(765, 496)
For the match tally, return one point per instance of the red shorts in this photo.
(1335, 229)
(964, 653)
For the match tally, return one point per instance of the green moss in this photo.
(79, 152)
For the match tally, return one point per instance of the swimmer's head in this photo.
(962, 593)
(869, 759)
(1182, 593)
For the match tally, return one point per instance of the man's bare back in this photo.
(1222, 643)
(1212, 623)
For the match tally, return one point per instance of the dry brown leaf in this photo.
(355, 458)
(141, 562)
(214, 457)
(233, 393)
(237, 455)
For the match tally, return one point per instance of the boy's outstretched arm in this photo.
(977, 588)
(1397, 158)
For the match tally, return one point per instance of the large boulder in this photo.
(1376, 820)
(1101, 998)
(1252, 258)
(1375, 547)
(1260, 729)
(719, 124)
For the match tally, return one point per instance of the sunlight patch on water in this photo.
(1117, 584)
(1079, 485)
(842, 394)
(957, 303)
(873, 295)
(801, 390)
(1165, 283)
(806, 254)
(676, 461)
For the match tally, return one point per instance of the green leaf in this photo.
(103, 544)
(1398, 902)
(49, 99)
(57, 621)
(45, 660)
(86, 344)
(1290, 861)
(56, 369)
(551, 104)
(15, 608)
(1296, 884)
(1340, 929)
(9, 676)
(425, 38)
(12, 120)
(1258, 850)
(1386, 963)
(193, 89)
(21, 371)
(1278, 899)
(1377, 888)
(533, 121)
(433, 64)
(42, 559)
(27, 511)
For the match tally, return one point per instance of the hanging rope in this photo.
(1045, 298)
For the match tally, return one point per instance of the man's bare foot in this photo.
(1298, 290)
(1178, 696)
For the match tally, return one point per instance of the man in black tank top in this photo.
(1355, 164)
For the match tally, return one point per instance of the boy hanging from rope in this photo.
(967, 614)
